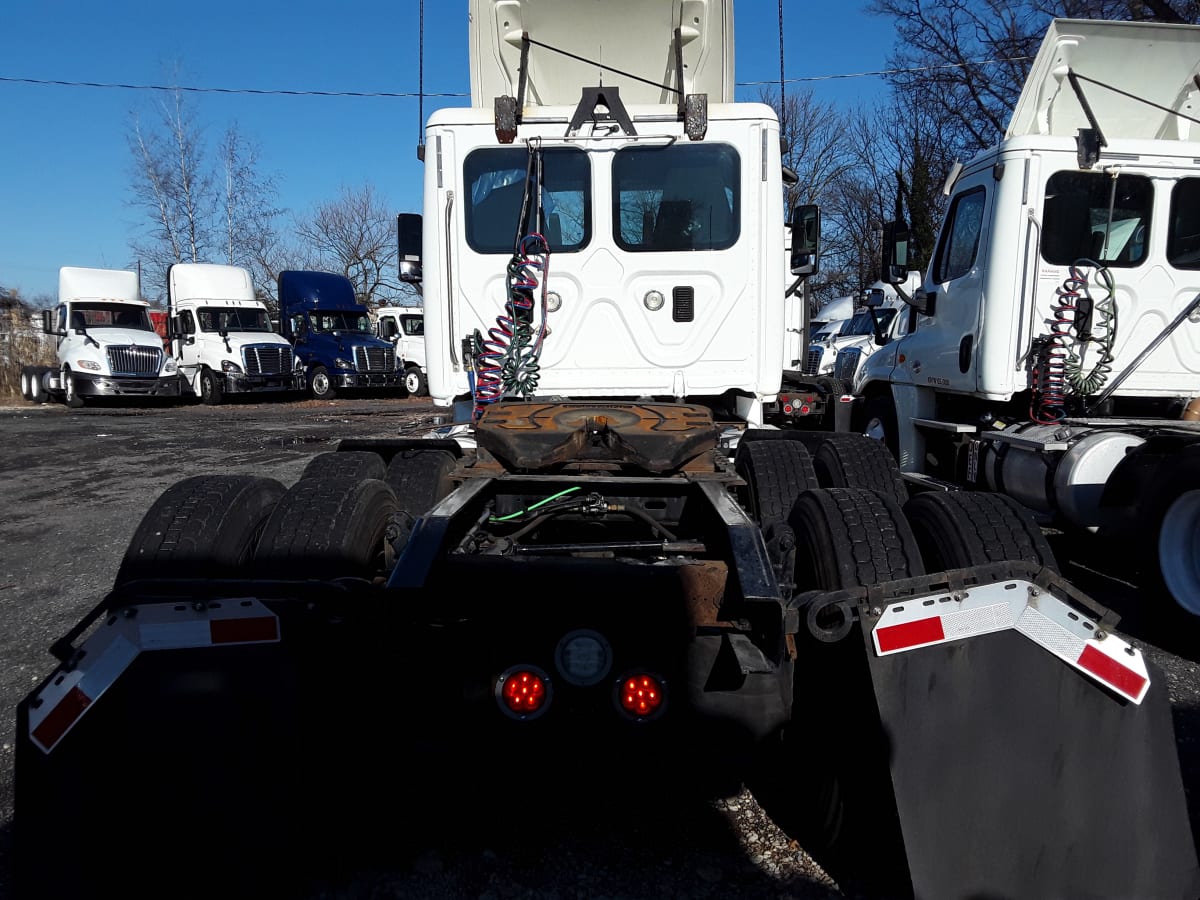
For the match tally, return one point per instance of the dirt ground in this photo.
(75, 484)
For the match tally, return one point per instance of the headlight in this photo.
(343, 364)
(231, 367)
(171, 367)
(88, 364)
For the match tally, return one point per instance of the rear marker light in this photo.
(523, 692)
(1021, 606)
(110, 650)
(641, 696)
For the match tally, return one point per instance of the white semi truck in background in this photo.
(1055, 356)
(615, 574)
(221, 335)
(404, 326)
(105, 342)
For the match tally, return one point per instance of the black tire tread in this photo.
(360, 464)
(958, 529)
(854, 460)
(420, 478)
(205, 525)
(850, 537)
(775, 472)
(326, 528)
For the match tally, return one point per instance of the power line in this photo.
(56, 82)
(882, 72)
(217, 90)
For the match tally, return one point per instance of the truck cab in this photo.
(221, 335)
(404, 327)
(104, 339)
(331, 332)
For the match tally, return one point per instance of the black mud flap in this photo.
(1016, 775)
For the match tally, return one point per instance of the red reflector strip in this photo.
(910, 634)
(241, 631)
(62, 717)
(1111, 672)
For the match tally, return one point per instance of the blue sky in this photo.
(64, 158)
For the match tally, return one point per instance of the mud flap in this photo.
(1016, 774)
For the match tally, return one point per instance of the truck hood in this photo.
(239, 339)
(118, 337)
(348, 341)
(1150, 60)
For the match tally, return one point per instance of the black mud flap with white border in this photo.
(1031, 749)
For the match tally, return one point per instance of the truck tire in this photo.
(832, 791)
(850, 537)
(420, 478)
(37, 384)
(960, 529)
(204, 526)
(25, 379)
(320, 384)
(854, 460)
(415, 382)
(327, 528)
(211, 392)
(359, 464)
(878, 421)
(775, 473)
(70, 397)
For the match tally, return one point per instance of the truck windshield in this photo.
(233, 318)
(676, 198)
(323, 322)
(110, 315)
(496, 187)
(862, 323)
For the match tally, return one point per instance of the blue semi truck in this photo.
(321, 317)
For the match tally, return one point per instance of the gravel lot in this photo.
(73, 487)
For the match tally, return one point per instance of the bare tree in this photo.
(198, 207)
(249, 234)
(356, 236)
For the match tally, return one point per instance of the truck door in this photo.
(188, 346)
(942, 352)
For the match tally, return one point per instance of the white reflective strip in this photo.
(1049, 622)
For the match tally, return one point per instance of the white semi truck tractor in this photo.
(1055, 351)
(105, 342)
(221, 335)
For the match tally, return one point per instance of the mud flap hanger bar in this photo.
(63, 699)
(692, 109)
(901, 616)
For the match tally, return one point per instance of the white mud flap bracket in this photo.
(108, 652)
(1033, 610)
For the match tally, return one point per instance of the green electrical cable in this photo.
(530, 509)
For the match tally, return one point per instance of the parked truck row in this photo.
(216, 338)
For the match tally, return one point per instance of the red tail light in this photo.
(523, 692)
(641, 696)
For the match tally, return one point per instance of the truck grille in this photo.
(267, 360)
(846, 364)
(134, 360)
(812, 362)
(375, 359)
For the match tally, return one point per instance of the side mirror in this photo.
(388, 330)
(408, 237)
(806, 239)
(893, 267)
(48, 321)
